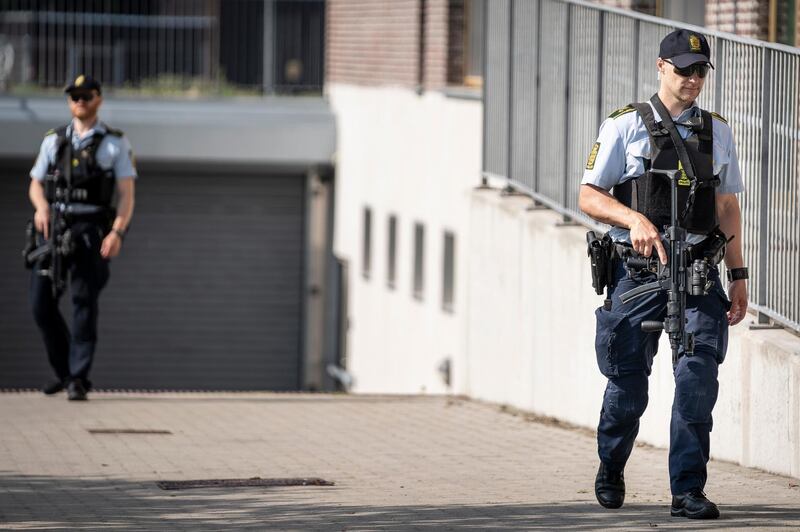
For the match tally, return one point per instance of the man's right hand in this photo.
(645, 237)
(41, 219)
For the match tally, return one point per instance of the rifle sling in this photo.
(680, 147)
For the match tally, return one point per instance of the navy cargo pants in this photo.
(71, 354)
(625, 355)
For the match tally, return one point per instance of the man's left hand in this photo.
(112, 243)
(737, 293)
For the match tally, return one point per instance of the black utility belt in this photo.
(604, 252)
(711, 249)
(85, 213)
(81, 195)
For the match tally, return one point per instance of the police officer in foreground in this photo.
(618, 189)
(80, 168)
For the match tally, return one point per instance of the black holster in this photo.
(30, 244)
(601, 255)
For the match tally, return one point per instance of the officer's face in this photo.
(84, 104)
(683, 88)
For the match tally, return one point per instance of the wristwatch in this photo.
(736, 274)
(121, 233)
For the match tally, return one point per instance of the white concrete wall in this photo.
(418, 157)
(522, 332)
(531, 342)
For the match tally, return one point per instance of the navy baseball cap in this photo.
(684, 48)
(84, 83)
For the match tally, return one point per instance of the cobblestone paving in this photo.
(400, 463)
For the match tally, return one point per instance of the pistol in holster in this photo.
(31, 244)
(601, 255)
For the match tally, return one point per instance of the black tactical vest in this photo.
(649, 193)
(88, 183)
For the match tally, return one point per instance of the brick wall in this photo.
(372, 42)
(376, 42)
(742, 17)
(436, 31)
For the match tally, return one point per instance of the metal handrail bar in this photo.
(699, 29)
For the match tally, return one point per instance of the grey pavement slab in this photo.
(398, 462)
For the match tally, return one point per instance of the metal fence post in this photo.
(510, 103)
(565, 188)
(763, 223)
(719, 75)
(485, 22)
(636, 28)
(600, 65)
(268, 60)
(537, 103)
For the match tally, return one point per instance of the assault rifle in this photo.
(678, 278)
(49, 254)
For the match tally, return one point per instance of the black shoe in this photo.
(53, 387)
(76, 391)
(609, 487)
(693, 505)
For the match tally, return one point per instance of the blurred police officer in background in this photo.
(633, 140)
(80, 168)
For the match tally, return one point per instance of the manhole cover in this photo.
(240, 483)
(128, 431)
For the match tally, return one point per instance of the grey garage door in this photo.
(206, 294)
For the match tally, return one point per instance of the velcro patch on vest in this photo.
(592, 156)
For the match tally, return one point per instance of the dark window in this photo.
(448, 281)
(465, 42)
(785, 22)
(366, 245)
(299, 46)
(391, 268)
(419, 260)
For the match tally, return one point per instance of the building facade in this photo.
(402, 81)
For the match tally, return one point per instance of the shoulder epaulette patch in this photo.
(718, 117)
(621, 111)
(592, 156)
(57, 131)
(115, 132)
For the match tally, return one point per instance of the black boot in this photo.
(609, 487)
(76, 391)
(694, 505)
(53, 387)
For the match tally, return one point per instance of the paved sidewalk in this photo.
(401, 463)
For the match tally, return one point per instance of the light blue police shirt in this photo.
(113, 152)
(623, 144)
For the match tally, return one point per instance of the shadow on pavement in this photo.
(41, 502)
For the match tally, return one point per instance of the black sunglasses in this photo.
(698, 68)
(85, 96)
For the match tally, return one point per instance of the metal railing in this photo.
(556, 68)
(181, 46)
